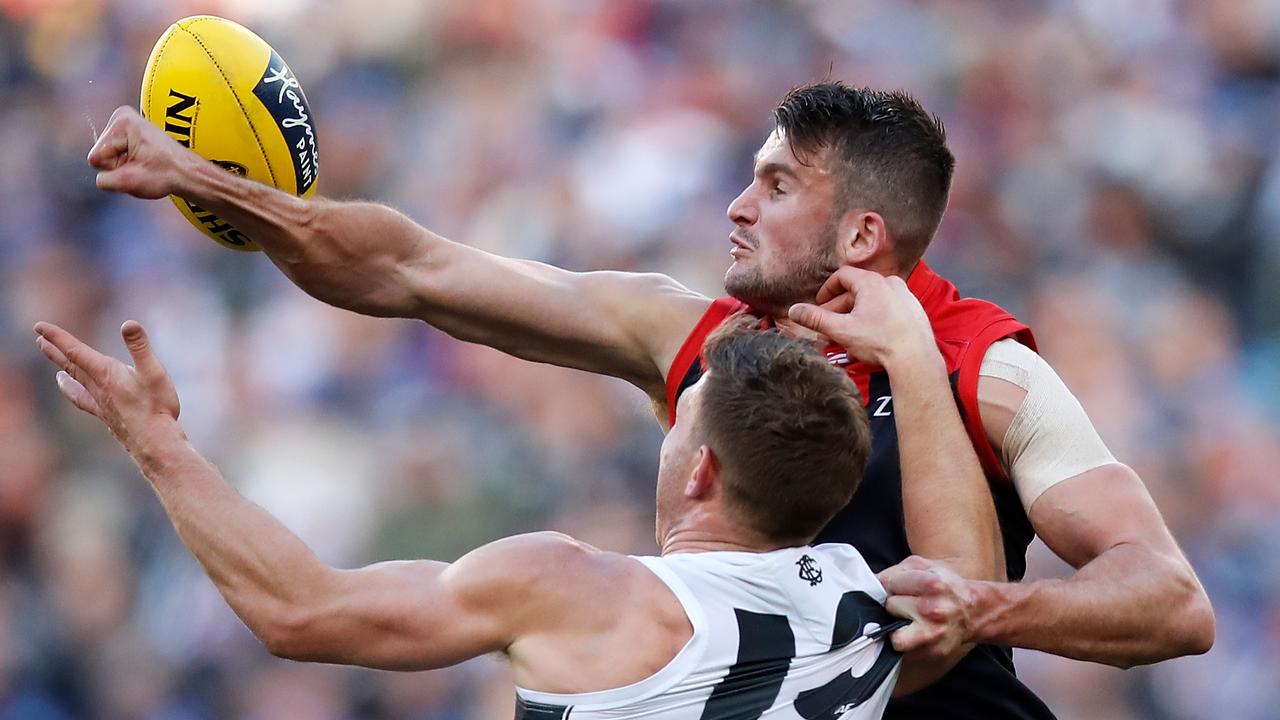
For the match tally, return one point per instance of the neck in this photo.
(690, 540)
(783, 322)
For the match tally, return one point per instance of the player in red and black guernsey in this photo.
(848, 178)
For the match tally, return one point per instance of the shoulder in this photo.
(531, 556)
(664, 301)
(531, 568)
(641, 288)
(1008, 372)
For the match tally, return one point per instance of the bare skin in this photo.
(553, 605)
(1135, 598)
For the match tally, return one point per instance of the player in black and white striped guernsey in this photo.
(792, 633)
(738, 619)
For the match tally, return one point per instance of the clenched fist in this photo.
(939, 603)
(135, 157)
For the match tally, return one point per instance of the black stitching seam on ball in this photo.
(243, 110)
(151, 79)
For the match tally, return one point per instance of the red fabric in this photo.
(720, 310)
(964, 328)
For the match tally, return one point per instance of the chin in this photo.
(739, 282)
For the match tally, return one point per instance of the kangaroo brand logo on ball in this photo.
(280, 92)
(234, 168)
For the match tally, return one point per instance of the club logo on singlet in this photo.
(809, 570)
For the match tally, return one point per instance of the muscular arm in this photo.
(410, 615)
(372, 259)
(947, 507)
(1134, 598)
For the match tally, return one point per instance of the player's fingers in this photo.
(812, 317)
(111, 145)
(123, 111)
(91, 365)
(115, 180)
(841, 303)
(902, 606)
(847, 279)
(55, 356)
(911, 582)
(76, 393)
(834, 285)
(915, 562)
(911, 637)
(139, 345)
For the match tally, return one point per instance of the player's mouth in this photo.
(740, 245)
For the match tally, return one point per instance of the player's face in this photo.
(785, 243)
(676, 461)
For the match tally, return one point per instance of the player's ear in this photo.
(704, 476)
(862, 236)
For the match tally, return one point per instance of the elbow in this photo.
(1189, 627)
(287, 633)
(1197, 625)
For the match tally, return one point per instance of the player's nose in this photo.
(743, 211)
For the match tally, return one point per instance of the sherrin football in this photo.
(219, 89)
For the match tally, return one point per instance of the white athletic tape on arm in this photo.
(1050, 438)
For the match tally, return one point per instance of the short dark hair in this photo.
(788, 428)
(891, 155)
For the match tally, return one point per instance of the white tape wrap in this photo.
(1050, 438)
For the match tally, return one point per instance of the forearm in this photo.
(947, 506)
(347, 254)
(1129, 606)
(262, 569)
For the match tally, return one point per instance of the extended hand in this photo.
(135, 157)
(936, 600)
(128, 400)
(870, 315)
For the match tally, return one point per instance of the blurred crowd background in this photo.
(1118, 187)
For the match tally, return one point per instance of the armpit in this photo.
(1049, 438)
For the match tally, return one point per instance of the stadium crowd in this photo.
(1118, 187)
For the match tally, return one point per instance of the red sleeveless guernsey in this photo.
(983, 684)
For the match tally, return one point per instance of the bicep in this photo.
(1041, 432)
(402, 615)
(419, 615)
(614, 323)
(1084, 516)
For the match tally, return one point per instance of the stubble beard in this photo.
(800, 283)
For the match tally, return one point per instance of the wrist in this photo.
(993, 611)
(157, 445)
(189, 176)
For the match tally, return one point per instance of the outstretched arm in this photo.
(396, 615)
(373, 260)
(947, 506)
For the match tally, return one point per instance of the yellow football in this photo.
(218, 89)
